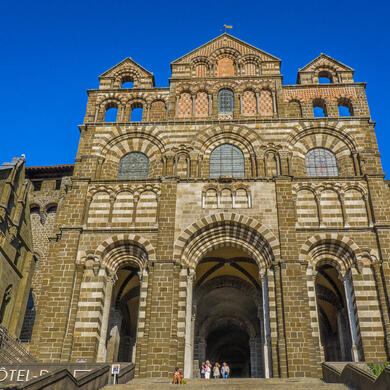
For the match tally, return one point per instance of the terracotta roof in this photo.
(50, 170)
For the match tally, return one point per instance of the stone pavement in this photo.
(231, 384)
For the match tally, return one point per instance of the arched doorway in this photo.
(228, 308)
(122, 324)
(227, 245)
(125, 264)
(333, 318)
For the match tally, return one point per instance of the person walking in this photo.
(216, 371)
(225, 370)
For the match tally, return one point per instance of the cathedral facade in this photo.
(226, 217)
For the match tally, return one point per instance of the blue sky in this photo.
(52, 51)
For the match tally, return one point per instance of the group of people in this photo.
(206, 369)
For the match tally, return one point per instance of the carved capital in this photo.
(262, 273)
(112, 278)
(191, 275)
(96, 268)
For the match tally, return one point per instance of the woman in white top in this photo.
(207, 370)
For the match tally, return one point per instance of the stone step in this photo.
(231, 384)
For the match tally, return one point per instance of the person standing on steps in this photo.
(216, 371)
(225, 371)
(202, 370)
(207, 370)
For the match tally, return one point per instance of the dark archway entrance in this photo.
(333, 315)
(230, 344)
(229, 315)
(122, 325)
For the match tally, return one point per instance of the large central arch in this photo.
(247, 249)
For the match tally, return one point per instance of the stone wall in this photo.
(16, 256)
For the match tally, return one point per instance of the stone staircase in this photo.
(231, 384)
(12, 350)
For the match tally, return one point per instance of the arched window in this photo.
(225, 101)
(134, 165)
(111, 112)
(319, 108)
(227, 160)
(34, 209)
(321, 162)
(345, 107)
(136, 112)
(127, 82)
(325, 77)
(51, 209)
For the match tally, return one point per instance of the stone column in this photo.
(281, 352)
(96, 114)
(368, 209)
(257, 103)
(101, 355)
(143, 291)
(274, 103)
(351, 317)
(112, 201)
(343, 210)
(193, 171)
(148, 107)
(188, 348)
(377, 268)
(266, 325)
(170, 158)
(355, 160)
(311, 275)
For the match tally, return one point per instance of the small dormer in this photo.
(325, 70)
(126, 74)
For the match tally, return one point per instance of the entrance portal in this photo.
(333, 315)
(122, 325)
(229, 325)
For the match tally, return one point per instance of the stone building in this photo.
(226, 217)
(17, 260)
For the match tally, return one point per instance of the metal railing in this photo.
(12, 350)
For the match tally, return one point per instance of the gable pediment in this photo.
(324, 61)
(127, 64)
(127, 70)
(225, 42)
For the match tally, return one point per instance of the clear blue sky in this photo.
(52, 51)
